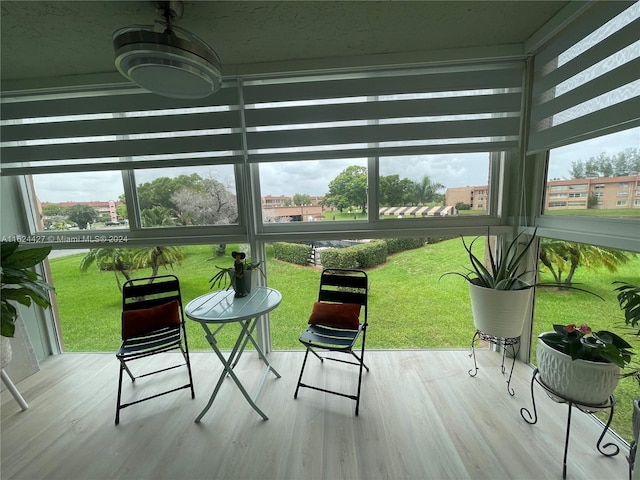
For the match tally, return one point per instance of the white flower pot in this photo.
(582, 381)
(501, 313)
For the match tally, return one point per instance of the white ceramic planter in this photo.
(500, 313)
(579, 380)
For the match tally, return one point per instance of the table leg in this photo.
(230, 362)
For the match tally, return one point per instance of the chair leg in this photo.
(295, 395)
(188, 363)
(361, 359)
(118, 403)
(124, 365)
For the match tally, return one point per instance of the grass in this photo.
(409, 307)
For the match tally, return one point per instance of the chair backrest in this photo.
(148, 307)
(344, 285)
(139, 293)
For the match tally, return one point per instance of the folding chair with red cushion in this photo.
(152, 323)
(338, 319)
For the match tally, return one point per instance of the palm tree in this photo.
(154, 257)
(562, 257)
(116, 259)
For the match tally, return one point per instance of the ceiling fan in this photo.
(173, 63)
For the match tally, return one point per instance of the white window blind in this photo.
(462, 109)
(115, 131)
(586, 79)
(471, 108)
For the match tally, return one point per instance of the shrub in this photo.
(297, 253)
(371, 254)
(395, 245)
(339, 258)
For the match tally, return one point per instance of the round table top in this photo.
(222, 306)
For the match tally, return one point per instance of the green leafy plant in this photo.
(507, 269)
(629, 300)
(222, 278)
(20, 284)
(580, 342)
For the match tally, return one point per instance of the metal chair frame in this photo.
(338, 285)
(138, 294)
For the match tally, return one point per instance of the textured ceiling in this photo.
(61, 39)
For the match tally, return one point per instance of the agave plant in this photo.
(505, 271)
(20, 284)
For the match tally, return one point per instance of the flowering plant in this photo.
(580, 342)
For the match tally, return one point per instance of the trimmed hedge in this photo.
(297, 253)
(395, 245)
(339, 258)
(365, 255)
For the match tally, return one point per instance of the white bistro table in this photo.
(215, 310)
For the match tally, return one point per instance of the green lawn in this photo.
(409, 307)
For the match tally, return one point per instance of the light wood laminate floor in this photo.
(421, 417)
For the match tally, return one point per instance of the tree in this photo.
(427, 191)
(155, 257)
(623, 163)
(212, 203)
(348, 189)
(392, 191)
(463, 206)
(82, 215)
(301, 199)
(117, 260)
(54, 210)
(121, 211)
(159, 192)
(562, 259)
(156, 217)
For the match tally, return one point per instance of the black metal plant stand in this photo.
(510, 345)
(584, 407)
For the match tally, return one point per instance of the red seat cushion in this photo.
(144, 320)
(338, 315)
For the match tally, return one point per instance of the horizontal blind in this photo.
(462, 109)
(116, 131)
(587, 79)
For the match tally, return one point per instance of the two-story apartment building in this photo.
(581, 193)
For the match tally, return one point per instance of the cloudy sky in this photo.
(313, 177)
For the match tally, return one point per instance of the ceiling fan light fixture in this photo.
(166, 64)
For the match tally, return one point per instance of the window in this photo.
(187, 196)
(623, 185)
(558, 195)
(79, 201)
(314, 191)
(576, 204)
(557, 204)
(616, 160)
(430, 186)
(621, 203)
(636, 203)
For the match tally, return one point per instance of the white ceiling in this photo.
(54, 39)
